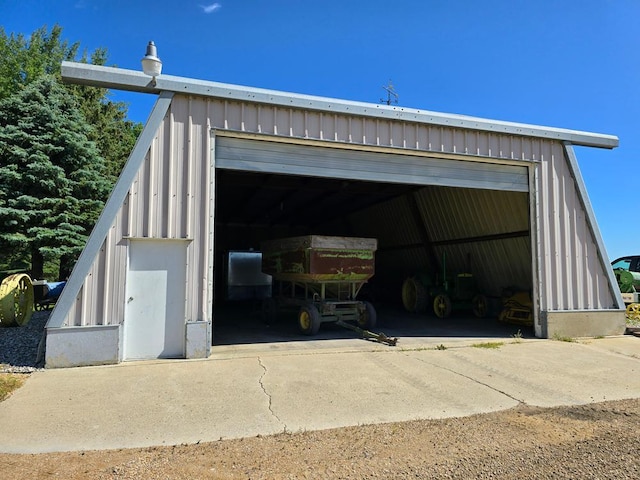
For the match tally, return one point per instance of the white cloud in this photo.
(211, 8)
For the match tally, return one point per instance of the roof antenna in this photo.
(392, 96)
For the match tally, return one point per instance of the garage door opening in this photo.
(433, 231)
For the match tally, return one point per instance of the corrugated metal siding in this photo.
(450, 217)
(572, 275)
(401, 251)
(169, 199)
(315, 125)
(166, 200)
(453, 216)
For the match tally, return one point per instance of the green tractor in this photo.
(445, 294)
(629, 283)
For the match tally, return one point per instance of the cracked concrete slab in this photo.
(268, 395)
(136, 405)
(327, 391)
(546, 373)
(265, 390)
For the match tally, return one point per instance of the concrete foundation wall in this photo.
(198, 344)
(81, 346)
(586, 323)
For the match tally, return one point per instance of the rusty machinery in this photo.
(16, 300)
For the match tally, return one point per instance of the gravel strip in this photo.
(19, 345)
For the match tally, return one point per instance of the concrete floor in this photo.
(241, 323)
(267, 388)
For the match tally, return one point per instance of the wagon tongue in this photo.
(367, 335)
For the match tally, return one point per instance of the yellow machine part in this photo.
(633, 311)
(518, 309)
(16, 300)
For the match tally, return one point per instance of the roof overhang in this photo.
(132, 80)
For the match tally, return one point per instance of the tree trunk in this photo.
(37, 265)
(66, 265)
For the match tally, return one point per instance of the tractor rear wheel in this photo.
(414, 295)
(16, 300)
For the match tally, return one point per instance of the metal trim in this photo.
(212, 219)
(131, 80)
(572, 162)
(109, 212)
(155, 239)
(534, 228)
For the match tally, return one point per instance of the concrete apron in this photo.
(244, 391)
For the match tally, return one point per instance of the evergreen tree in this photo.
(38, 217)
(52, 176)
(112, 132)
(23, 61)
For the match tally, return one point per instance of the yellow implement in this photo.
(16, 300)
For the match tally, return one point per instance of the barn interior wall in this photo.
(483, 232)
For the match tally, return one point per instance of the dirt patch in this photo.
(590, 441)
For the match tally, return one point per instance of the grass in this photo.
(563, 338)
(488, 345)
(517, 337)
(441, 347)
(632, 322)
(9, 382)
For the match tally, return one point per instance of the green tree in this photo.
(52, 181)
(23, 61)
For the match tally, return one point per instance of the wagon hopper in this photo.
(322, 276)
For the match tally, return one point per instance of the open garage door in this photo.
(420, 208)
(318, 161)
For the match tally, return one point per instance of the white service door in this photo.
(154, 319)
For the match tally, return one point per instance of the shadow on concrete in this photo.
(242, 323)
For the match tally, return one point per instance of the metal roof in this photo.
(132, 80)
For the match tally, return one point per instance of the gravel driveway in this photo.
(19, 345)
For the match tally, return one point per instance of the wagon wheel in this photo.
(16, 300)
(367, 317)
(480, 306)
(269, 310)
(309, 319)
(633, 311)
(442, 305)
(414, 295)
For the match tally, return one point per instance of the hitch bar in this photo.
(367, 335)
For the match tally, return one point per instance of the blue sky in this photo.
(571, 64)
